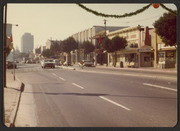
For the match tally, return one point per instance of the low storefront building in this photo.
(164, 56)
(128, 57)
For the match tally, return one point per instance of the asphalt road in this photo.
(96, 98)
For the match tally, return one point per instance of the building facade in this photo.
(145, 49)
(88, 35)
(135, 38)
(164, 56)
(27, 43)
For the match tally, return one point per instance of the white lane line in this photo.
(58, 76)
(115, 103)
(78, 85)
(162, 87)
(61, 78)
(54, 74)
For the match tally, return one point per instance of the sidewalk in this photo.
(169, 70)
(12, 96)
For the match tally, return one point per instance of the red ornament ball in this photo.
(156, 5)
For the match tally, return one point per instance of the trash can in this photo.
(121, 64)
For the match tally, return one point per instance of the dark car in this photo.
(86, 63)
(57, 62)
(10, 65)
(67, 63)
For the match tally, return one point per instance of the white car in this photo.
(47, 63)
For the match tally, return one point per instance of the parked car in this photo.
(86, 63)
(30, 61)
(57, 62)
(67, 63)
(10, 65)
(47, 63)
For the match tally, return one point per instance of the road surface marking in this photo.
(160, 87)
(54, 74)
(61, 78)
(115, 103)
(58, 76)
(78, 86)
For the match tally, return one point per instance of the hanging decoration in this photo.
(155, 5)
(115, 16)
(164, 7)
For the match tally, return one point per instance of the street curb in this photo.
(67, 67)
(140, 69)
(137, 69)
(14, 112)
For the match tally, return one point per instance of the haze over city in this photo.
(59, 21)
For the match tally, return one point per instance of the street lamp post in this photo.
(14, 58)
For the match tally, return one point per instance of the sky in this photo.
(59, 21)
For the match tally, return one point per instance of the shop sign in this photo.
(144, 50)
(133, 36)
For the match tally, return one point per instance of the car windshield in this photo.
(48, 60)
(56, 60)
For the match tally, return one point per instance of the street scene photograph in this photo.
(90, 65)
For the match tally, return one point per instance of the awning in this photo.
(167, 48)
(145, 48)
(128, 51)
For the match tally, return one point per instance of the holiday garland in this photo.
(163, 6)
(124, 15)
(115, 16)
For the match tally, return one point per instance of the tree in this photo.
(166, 28)
(47, 53)
(69, 45)
(117, 43)
(55, 47)
(38, 50)
(88, 47)
(106, 45)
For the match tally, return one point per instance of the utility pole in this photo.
(105, 36)
(105, 25)
(14, 63)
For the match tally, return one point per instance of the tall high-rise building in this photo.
(27, 42)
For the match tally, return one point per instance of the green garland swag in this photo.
(163, 6)
(124, 15)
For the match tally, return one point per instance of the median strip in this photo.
(162, 87)
(117, 104)
(78, 86)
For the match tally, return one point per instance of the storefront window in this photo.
(161, 56)
(170, 55)
(130, 58)
(146, 59)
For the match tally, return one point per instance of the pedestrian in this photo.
(94, 61)
(82, 65)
